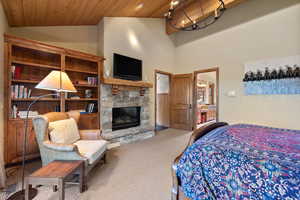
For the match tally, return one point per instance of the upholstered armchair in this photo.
(90, 147)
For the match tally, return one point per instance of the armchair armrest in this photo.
(94, 134)
(60, 147)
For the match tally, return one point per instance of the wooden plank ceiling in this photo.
(78, 12)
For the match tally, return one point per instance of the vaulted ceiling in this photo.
(78, 12)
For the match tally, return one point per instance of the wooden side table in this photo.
(55, 174)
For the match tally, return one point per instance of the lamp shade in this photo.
(57, 81)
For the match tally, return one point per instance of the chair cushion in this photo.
(91, 149)
(64, 131)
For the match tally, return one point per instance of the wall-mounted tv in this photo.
(127, 68)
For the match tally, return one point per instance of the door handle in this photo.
(190, 106)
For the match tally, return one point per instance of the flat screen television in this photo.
(127, 68)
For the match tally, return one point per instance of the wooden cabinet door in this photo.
(181, 106)
(89, 121)
(163, 109)
(14, 147)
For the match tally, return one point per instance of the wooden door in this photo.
(162, 103)
(181, 106)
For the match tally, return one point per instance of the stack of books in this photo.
(31, 114)
(19, 92)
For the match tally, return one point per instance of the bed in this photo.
(239, 161)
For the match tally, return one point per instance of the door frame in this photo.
(156, 71)
(214, 69)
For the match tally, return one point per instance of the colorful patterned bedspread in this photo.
(242, 162)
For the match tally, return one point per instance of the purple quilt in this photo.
(242, 162)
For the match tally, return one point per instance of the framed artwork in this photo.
(273, 77)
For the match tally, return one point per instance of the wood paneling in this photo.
(78, 12)
(163, 109)
(181, 105)
(90, 12)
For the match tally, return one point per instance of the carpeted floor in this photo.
(138, 171)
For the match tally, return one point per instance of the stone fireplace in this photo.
(125, 116)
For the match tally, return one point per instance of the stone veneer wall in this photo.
(125, 98)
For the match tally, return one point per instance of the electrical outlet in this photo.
(231, 93)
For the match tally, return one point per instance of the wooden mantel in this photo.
(121, 82)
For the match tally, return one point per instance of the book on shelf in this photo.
(16, 72)
(75, 97)
(57, 109)
(92, 80)
(21, 91)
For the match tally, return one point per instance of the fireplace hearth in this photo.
(126, 117)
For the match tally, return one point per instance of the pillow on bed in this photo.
(64, 131)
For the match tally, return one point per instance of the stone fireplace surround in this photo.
(127, 97)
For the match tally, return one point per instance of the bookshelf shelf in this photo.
(32, 62)
(16, 61)
(24, 81)
(83, 99)
(81, 71)
(87, 86)
(32, 99)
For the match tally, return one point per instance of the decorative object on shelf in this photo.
(57, 81)
(88, 93)
(107, 72)
(269, 77)
(190, 20)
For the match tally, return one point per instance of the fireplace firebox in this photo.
(126, 117)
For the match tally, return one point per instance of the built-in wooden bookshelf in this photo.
(34, 61)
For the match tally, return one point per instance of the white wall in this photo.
(82, 38)
(255, 30)
(3, 29)
(140, 38)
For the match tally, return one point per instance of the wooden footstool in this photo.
(55, 174)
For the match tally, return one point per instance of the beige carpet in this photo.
(138, 171)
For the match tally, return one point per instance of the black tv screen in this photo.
(127, 68)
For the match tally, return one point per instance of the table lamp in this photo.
(57, 81)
